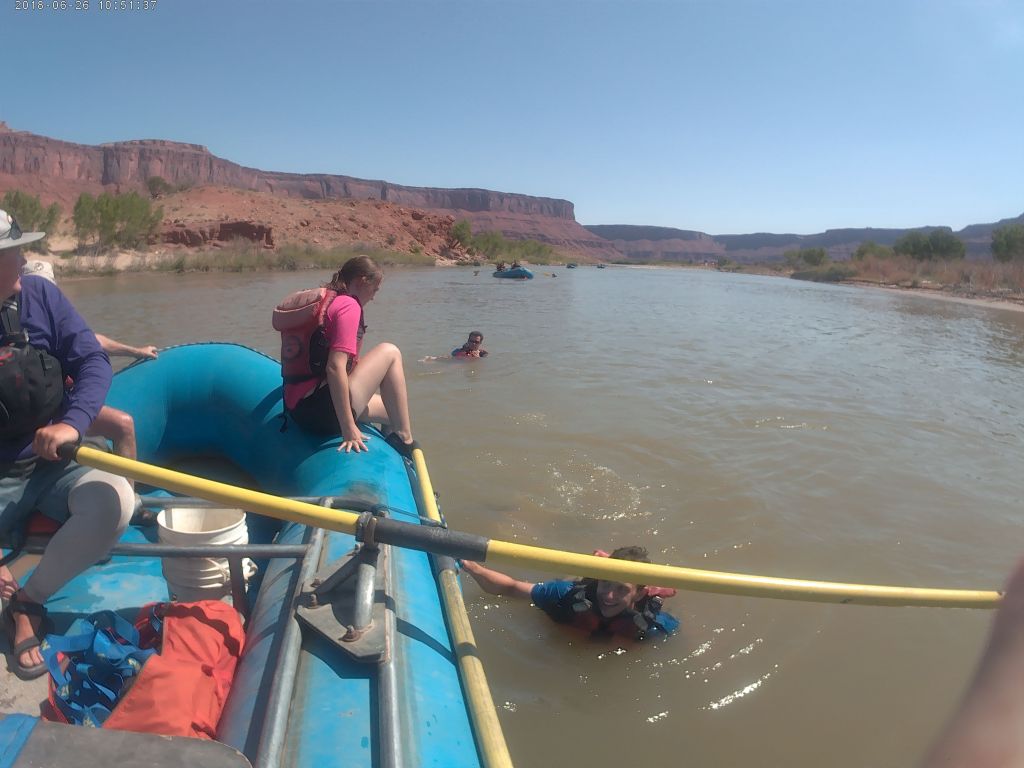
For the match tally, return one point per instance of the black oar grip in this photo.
(428, 538)
(68, 450)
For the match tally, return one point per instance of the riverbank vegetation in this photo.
(112, 232)
(31, 215)
(493, 246)
(924, 260)
(114, 221)
(244, 256)
(234, 256)
(959, 276)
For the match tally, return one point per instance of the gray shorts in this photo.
(44, 485)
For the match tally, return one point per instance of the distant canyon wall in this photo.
(60, 171)
(644, 243)
(128, 164)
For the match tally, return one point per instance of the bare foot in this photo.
(987, 729)
(8, 584)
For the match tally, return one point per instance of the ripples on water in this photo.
(728, 422)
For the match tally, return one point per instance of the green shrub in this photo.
(462, 233)
(494, 247)
(869, 248)
(125, 220)
(1008, 243)
(32, 216)
(158, 186)
(813, 257)
(937, 244)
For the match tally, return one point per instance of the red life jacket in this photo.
(578, 607)
(300, 320)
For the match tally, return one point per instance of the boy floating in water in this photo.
(597, 606)
(472, 347)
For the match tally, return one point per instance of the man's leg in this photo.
(99, 506)
(118, 427)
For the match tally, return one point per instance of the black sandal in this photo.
(404, 449)
(16, 605)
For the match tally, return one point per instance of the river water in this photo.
(729, 422)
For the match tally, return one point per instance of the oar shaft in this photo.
(493, 748)
(462, 545)
(252, 501)
(739, 584)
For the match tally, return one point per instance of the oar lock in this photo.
(366, 525)
(347, 600)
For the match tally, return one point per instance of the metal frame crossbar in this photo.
(233, 553)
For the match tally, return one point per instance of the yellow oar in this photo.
(471, 547)
(493, 748)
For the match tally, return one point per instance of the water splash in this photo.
(596, 492)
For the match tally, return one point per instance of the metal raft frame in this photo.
(357, 588)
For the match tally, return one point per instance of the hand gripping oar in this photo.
(468, 546)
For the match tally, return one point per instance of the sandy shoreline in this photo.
(995, 302)
(1013, 305)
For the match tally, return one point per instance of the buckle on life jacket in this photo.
(582, 605)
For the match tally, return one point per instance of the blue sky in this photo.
(721, 116)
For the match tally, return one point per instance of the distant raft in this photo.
(517, 273)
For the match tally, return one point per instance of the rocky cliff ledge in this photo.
(127, 164)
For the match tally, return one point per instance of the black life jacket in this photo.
(578, 607)
(31, 379)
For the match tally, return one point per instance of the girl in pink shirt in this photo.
(349, 390)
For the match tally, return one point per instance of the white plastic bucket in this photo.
(201, 578)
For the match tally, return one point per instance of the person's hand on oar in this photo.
(51, 437)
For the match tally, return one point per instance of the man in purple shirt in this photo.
(94, 507)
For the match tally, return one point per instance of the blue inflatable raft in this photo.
(349, 657)
(518, 273)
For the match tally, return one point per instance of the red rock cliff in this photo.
(127, 164)
(61, 171)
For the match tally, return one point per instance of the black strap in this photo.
(298, 378)
(11, 322)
